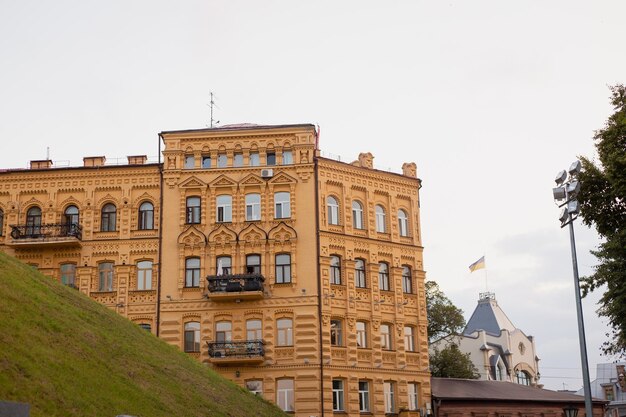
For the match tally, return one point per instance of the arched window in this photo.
(144, 275)
(383, 276)
(407, 280)
(403, 223)
(284, 328)
(359, 273)
(282, 205)
(192, 272)
(335, 269)
(253, 264)
(33, 221)
(193, 210)
(357, 215)
(254, 330)
(192, 336)
(333, 210)
(224, 208)
(223, 331)
(522, 377)
(223, 265)
(381, 219)
(108, 218)
(146, 216)
(253, 207)
(283, 268)
(71, 216)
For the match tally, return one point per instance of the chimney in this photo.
(41, 164)
(137, 159)
(93, 161)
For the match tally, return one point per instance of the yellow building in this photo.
(297, 276)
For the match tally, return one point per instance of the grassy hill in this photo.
(67, 355)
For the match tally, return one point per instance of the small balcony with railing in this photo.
(52, 234)
(246, 352)
(235, 287)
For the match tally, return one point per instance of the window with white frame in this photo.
(253, 207)
(222, 160)
(359, 273)
(385, 336)
(383, 276)
(361, 334)
(409, 339)
(284, 329)
(357, 215)
(192, 336)
(335, 269)
(412, 392)
(144, 275)
(338, 395)
(255, 161)
(403, 223)
(192, 272)
(364, 396)
(190, 162)
(333, 210)
(193, 210)
(407, 280)
(105, 276)
(381, 219)
(283, 268)
(223, 331)
(254, 329)
(223, 265)
(238, 160)
(336, 333)
(284, 394)
(224, 208)
(287, 158)
(282, 205)
(389, 397)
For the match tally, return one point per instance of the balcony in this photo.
(226, 353)
(55, 234)
(235, 287)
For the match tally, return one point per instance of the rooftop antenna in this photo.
(211, 105)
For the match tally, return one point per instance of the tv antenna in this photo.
(211, 105)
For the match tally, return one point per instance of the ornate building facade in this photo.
(296, 276)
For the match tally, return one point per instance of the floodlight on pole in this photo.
(565, 197)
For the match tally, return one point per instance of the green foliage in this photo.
(444, 318)
(452, 363)
(603, 205)
(68, 356)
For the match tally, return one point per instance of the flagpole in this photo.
(485, 261)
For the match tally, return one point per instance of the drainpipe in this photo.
(160, 234)
(319, 278)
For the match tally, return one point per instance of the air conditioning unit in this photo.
(267, 173)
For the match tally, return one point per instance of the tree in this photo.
(444, 318)
(603, 205)
(450, 362)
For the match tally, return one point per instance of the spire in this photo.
(488, 316)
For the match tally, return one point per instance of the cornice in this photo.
(367, 173)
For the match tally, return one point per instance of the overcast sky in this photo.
(490, 99)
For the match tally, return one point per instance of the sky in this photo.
(490, 99)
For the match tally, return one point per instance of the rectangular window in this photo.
(253, 264)
(284, 332)
(68, 274)
(238, 160)
(224, 209)
(206, 161)
(336, 333)
(361, 334)
(338, 395)
(359, 273)
(283, 268)
(105, 272)
(409, 342)
(271, 158)
(255, 386)
(190, 162)
(389, 397)
(192, 272)
(385, 337)
(253, 207)
(287, 158)
(282, 208)
(254, 159)
(407, 281)
(412, 393)
(383, 277)
(193, 210)
(364, 396)
(335, 270)
(222, 160)
(284, 394)
(144, 275)
(192, 336)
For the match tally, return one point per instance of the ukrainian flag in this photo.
(479, 264)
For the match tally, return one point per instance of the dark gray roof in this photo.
(488, 316)
(477, 390)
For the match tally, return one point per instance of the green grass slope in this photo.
(67, 355)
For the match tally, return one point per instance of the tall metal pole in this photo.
(581, 325)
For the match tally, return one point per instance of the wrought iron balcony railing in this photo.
(249, 349)
(235, 283)
(45, 231)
